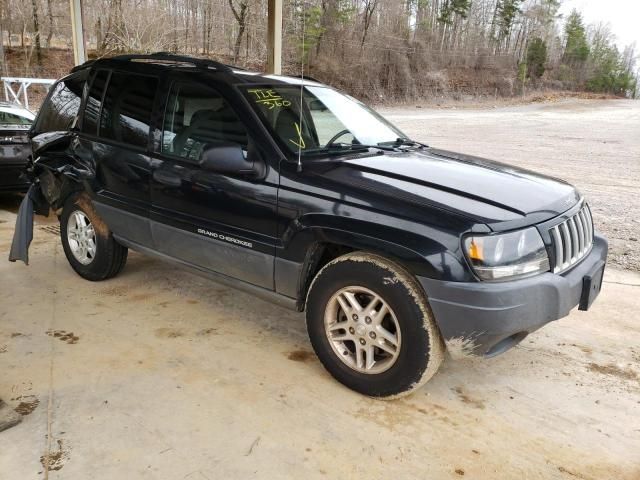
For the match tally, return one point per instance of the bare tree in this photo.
(369, 9)
(240, 14)
(400, 49)
(36, 32)
(50, 30)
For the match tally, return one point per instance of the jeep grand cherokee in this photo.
(295, 192)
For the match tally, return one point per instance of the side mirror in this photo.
(317, 105)
(226, 157)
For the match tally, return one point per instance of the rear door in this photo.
(217, 222)
(116, 136)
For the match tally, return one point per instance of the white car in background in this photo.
(15, 122)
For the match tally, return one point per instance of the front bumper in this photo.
(486, 319)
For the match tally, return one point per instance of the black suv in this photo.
(297, 193)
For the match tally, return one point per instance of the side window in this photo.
(60, 111)
(195, 117)
(126, 109)
(94, 100)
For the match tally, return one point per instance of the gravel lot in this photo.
(593, 144)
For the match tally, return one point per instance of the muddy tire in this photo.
(87, 241)
(371, 326)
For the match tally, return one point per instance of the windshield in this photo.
(7, 118)
(329, 119)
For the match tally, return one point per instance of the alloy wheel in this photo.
(81, 237)
(362, 329)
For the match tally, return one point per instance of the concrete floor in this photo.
(161, 374)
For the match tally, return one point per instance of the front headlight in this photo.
(508, 255)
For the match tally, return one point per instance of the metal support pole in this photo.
(77, 32)
(274, 37)
(24, 92)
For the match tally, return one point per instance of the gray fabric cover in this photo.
(23, 233)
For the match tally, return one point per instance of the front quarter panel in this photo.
(313, 211)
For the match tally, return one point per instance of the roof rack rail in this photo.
(86, 64)
(170, 57)
(305, 77)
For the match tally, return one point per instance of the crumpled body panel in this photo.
(55, 174)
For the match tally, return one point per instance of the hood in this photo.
(499, 195)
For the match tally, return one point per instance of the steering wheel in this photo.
(337, 136)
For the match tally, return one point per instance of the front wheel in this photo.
(87, 241)
(371, 327)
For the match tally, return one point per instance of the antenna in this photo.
(300, 142)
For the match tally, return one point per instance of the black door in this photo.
(116, 136)
(217, 222)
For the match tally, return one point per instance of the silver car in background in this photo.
(15, 122)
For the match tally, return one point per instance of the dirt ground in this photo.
(161, 374)
(593, 144)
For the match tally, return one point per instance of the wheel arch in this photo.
(317, 245)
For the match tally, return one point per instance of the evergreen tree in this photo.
(506, 13)
(576, 49)
(454, 7)
(609, 72)
(536, 58)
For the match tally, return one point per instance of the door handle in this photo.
(167, 178)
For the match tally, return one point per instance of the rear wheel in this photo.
(370, 325)
(88, 243)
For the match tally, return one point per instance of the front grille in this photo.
(572, 239)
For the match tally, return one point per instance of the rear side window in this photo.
(197, 116)
(59, 113)
(126, 109)
(94, 100)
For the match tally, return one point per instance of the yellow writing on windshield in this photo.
(300, 143)
(269, 98)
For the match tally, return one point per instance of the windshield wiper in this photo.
(342, 148)
(345, 148)
(353, 146)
